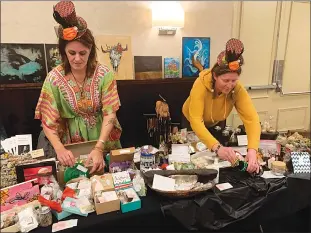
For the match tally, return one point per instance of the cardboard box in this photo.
(108, 206)
(123, 183)
(61, 215)
(105, 180)
(81, 148)
(70, 205)
(11, 229)
(121, 155)
(130, 206)
(16, 228)
(105, 186)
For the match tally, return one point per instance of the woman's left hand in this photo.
(251, 158)
(98, 160)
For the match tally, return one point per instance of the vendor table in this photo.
(251, 202)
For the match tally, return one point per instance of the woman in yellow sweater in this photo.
(214, 94)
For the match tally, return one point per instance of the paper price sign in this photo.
(120, 178)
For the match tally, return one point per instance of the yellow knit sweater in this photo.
(201, 109)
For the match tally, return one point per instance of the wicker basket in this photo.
(183, 194)
(204, 176)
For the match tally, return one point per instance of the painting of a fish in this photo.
(22, 64)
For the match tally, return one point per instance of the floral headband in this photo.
(231, 58)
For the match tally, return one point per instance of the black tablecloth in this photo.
(217, 209)
(255, 200)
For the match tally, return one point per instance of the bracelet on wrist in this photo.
(98, 149)
(102, 141)
(217, 149)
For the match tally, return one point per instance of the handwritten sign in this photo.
(180, 153)
(121, 178)
(37, 153)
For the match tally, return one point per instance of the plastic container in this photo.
(278, 168)
(147, 158)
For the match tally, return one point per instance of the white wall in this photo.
(35, 24)
(258, 30)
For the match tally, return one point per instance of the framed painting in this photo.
(171, 67)
(53, 57)
(37, 170)
(195, 51)
(148, 67)
(116, 53)
(22, 65)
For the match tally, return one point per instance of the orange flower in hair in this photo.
(70, 33)
(234, 65)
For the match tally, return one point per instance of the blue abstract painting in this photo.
(195, 49)
(22, 64)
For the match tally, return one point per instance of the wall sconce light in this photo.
(167, 17)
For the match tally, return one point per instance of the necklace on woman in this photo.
(83, 101)
(81, 87)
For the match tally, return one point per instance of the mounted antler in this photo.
(108, 49)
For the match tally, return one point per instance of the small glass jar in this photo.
(225, 137)
(147, 158)
(278, 168)
(45, 217)
(225, 133)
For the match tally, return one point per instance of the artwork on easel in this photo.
(195, 52)
(171, 67)
(116, 53)
(148, 67)
(22, 65)
(53, 57)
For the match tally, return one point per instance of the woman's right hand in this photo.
(227, 153)
(65, 157)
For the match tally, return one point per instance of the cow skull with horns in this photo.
(115, 54)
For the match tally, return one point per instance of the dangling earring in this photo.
(212, 90)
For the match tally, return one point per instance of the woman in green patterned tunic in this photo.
(79, 98)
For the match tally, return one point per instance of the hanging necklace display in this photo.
(152, 123)
(164, 123)
(83, 102)
(159, 125)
